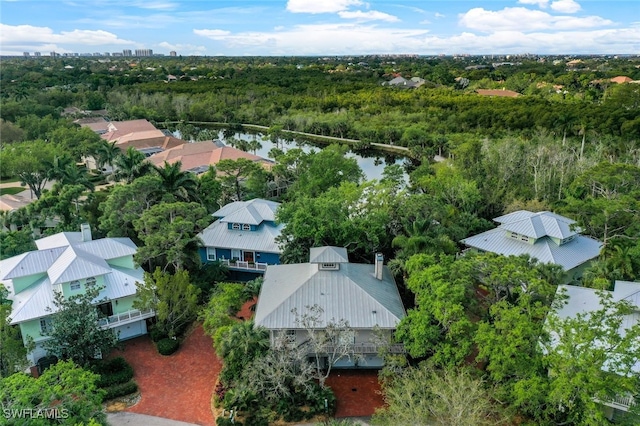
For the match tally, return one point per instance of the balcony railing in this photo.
(125, 317)
(370, 348)
(239, 264)
(621, 402)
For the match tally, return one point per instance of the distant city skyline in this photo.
(320, 27)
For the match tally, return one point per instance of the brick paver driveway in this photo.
(179, 386)
(357, 392)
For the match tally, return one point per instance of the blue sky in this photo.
(320, 27)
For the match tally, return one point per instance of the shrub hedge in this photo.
(121, 389)
(112, 372)
(167, 346)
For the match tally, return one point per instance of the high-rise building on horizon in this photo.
(144, 52)
(126, 52)
(173, 53)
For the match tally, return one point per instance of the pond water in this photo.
(372, 163)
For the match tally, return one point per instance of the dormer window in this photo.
(235, 226)
(74, 285)
(91, 281)
(329, 266)
(246, 227)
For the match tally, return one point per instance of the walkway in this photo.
(357, 392)
(179, 386)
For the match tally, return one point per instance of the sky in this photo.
(321, 27)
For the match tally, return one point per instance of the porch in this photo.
(244, 265)
(125, 318)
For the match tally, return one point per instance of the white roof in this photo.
(537, 225)
(351, 293)
(263, 239)
(568, 255)
(65, 263)
(252, 212)
(328, 254)
(582, 300)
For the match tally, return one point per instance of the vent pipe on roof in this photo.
(85, 229)
(378, 263)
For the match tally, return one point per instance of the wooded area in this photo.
(573, 150)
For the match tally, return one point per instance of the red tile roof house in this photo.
(621, 79)
(198, 156)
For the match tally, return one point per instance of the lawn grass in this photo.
(11, 179)
(12, 190)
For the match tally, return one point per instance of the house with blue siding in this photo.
(70, 263)
(243, 236)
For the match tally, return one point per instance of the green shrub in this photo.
(167, 346)
(121, 389)
(224, 421)
(112, 372)
(314, 399)
(157, 333)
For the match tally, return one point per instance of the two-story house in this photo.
(546, 236)
(69, 263)
(243, 236)
(364, 296)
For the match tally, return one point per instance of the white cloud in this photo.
(155, 5)
(321, 6)
(541, 3)
(371, 15)
(439, 15)
(341, 39)
(24, 35)
(184, 49)
(424, 22)
(523, 19)
(213, 34)
(565, 6)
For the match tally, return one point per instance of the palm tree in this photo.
(240, 345)
(182, 185)
(106, 153)
(74, 175)
(130, 165)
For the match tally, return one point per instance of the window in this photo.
(246, 227)
(290, 336)
(524, 238)
(211, 253)
(235, 226)
(45, 326)
(91, 281)
(329, 266)
(514, 235)
(74, 285)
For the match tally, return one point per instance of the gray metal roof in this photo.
(351, 293)
(251, 212)
(328, 254)
(537, 225)
(568, 255)
(61, 239)
(76, 264)
(25, 264)
(263, 239)
(77, 260)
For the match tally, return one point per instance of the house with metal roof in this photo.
(70, 263)
(243, 236)
(546, 236)
(582, 301)
(362, 295)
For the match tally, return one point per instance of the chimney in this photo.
(378, 262)
(85, 229)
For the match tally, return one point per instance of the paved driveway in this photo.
(177, 387)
